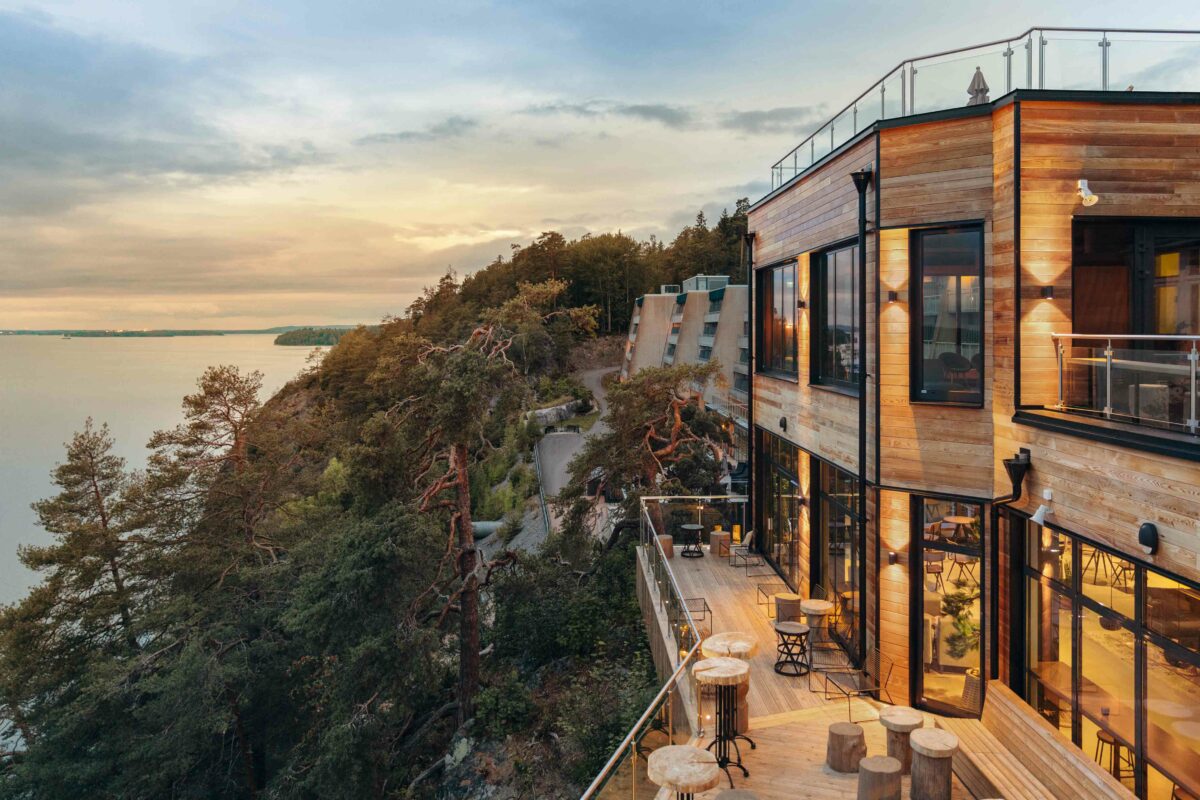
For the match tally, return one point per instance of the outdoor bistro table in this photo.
(683, 769)
(725, 674)
(959, 523)
(731, 644)
(691, 545)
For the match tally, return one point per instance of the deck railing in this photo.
(1145, 379)
(1094, 59)
(689, 620)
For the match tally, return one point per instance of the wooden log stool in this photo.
(900, 721)
(668, 545)
(787, 607)
(718, 543)
(847, 746)
(792, 651)
(730, 644)
(726, 674)
(683, 769)
(933, 756)
(879, 778)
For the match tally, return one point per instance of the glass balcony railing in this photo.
(1144, 379)
(673, 716)
(1040, 58)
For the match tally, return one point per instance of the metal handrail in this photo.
(537, 465)
(1112, 363)
(602, 777)
(852, 105)
(671, 577)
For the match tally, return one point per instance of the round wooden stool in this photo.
(933, 751)
(787, 607)
(900, 721)
(847, 746)
(879, 778)
(683, 769)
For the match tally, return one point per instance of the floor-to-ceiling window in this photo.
(947, 581)
(838, 552)
(777, 300)
(1112, 657)
(779, 505)
(835, 347)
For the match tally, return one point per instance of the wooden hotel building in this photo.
(974, 398)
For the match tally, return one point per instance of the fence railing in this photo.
(1146, 379)
(1040, 58)
(668, 719)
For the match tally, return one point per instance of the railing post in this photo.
(1029, 62)
(1008, 54)
(1104, 45)
(633, 776)
(1108, 366)
(903, 93)
(1060, 375)
(1041, 59)
(883, 99)
(1193, 356)
(912, 88)
(854, 120)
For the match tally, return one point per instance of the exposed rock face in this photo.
(478, 770)
(556, 414)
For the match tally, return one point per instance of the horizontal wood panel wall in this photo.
(894, 588)
(819, 211)
(1143, 161)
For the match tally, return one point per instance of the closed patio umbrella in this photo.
(978, 90)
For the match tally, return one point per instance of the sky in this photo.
(210, 163)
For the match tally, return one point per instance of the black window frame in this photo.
(768, 360)
(823, 508)
(917, 319)
(818, 309)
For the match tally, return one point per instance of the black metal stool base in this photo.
(727, 733)
(793, 654)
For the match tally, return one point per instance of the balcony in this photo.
(1088, 59)
(1138, 379)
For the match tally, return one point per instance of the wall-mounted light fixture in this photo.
(893, 296)
(1086, 195)
(1047, 293)
(893, 557)
(783, 423)
(1148, 537)
(801, 302)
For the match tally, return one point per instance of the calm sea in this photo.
(50, 385)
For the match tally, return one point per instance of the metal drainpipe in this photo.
(752, 342)
(862, 182)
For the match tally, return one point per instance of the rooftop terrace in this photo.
(1069, 59)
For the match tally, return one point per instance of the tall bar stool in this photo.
(1113, 756)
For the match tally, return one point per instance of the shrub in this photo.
(504, 707)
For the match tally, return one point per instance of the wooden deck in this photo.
(732, 596)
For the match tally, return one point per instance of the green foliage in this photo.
(504, 707)
(311, 337)
(960, 605)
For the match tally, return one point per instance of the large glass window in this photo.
(947, 308)
(836, 349)
(838, 551)
(777, 319)
(780, 505)
(949, 554)
(1113, 659)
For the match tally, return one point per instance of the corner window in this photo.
(836, 349)
(710, 329)
(777, 319)
(947, 315)
(705, 353)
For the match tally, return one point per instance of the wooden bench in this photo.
(1013, 753)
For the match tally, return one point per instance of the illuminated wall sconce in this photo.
(801, 303)
(893, 296)
(783, 423)
(893, 557)
(1047, 292)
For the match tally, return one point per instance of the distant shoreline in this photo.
(91, 333)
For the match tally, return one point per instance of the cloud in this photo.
(768, 121)
(672, 116)
(783, 119)
(452, 127)
(84, 118)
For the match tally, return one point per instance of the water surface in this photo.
(50, 385)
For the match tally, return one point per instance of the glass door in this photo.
(948, 609)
